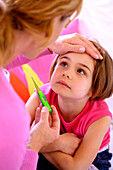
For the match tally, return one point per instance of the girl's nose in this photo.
(66, 74)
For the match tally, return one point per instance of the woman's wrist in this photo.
(30, 145)
(54, 146)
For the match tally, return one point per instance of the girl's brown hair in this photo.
(102, 83)
(34, 16)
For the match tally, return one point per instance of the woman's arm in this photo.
(30, 160)
(21, 59)
(87, 150)
(71, 42)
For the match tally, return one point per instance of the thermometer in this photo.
(42, 97)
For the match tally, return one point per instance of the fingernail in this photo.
(44, 108)
(97, 57)
(101, 57)
(81, 49)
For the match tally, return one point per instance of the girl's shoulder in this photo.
(99, 108)
(45, 88)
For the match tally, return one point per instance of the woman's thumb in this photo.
(44, 114)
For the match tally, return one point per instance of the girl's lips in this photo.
(63, 84)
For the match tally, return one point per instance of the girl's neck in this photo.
(71, 108)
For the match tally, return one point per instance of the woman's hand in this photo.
(66, 143)
(74, 43)
(42, 133)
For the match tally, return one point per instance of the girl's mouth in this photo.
(63, 83)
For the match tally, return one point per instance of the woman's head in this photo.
(33, 16)
(102, 75)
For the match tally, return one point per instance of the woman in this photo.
(28, 28)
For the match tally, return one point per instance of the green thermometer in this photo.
(42, 97)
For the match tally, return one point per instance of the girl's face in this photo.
(72, 76)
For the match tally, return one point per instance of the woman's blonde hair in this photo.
(34, 16)
(102, 83)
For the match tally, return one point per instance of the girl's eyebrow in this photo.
(83, 65)
(61, 57)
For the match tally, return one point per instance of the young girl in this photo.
(78, 85)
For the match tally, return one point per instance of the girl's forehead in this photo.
(77, 58)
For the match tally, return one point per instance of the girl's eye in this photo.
(81, 71)
(64, 64)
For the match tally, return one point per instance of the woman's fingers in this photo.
(44, 114)
(90, 48)
(55, 118)
(77, 39)
(75, 43)
(37, 115)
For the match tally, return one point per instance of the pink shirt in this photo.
(21, 59)
(92, 112)
(14, 130)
